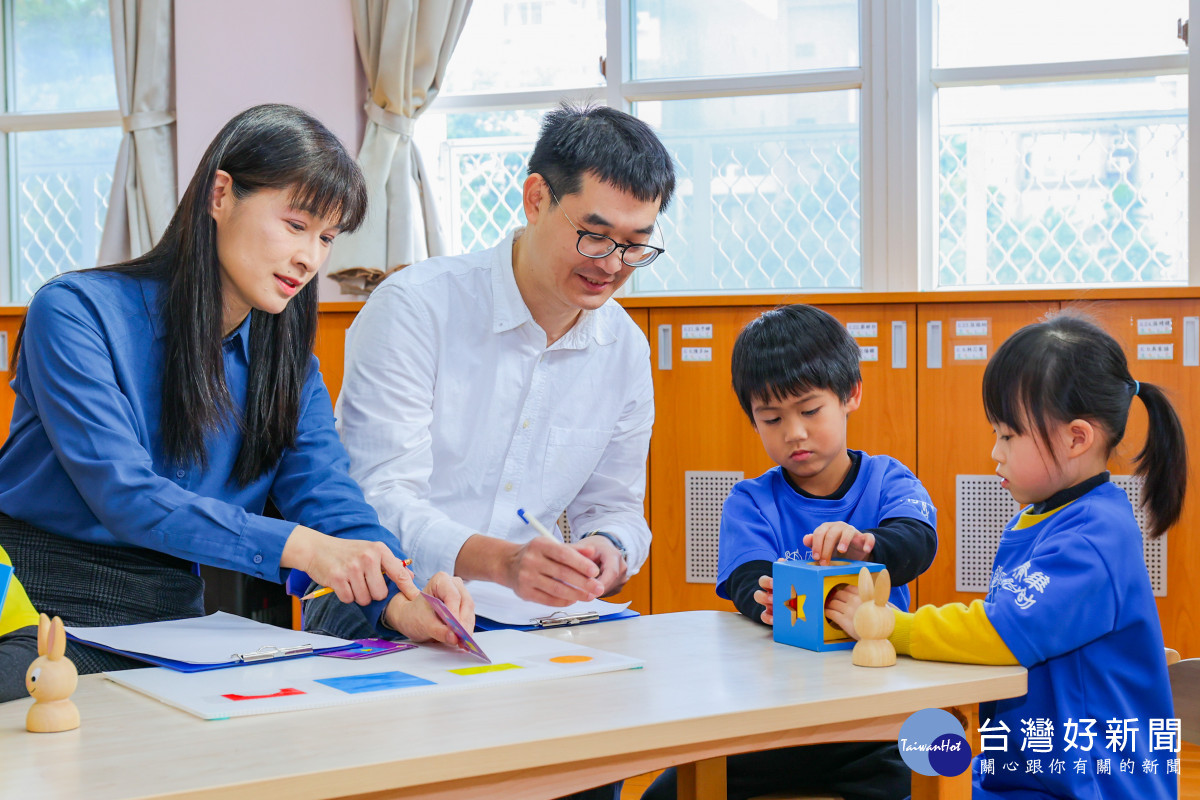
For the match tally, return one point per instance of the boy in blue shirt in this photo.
(796, 374)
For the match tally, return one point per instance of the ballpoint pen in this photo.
(537, 526)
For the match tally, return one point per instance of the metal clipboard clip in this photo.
(560, 618)
(270, 651)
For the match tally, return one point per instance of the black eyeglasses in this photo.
(597, 245)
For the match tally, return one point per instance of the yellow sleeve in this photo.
(17, 611)
(952, 632)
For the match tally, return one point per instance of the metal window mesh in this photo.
(776, 210)
(1082, 201)
(60, 217)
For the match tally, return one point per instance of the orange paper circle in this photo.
(570, 659)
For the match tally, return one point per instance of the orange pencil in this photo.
(322, 592)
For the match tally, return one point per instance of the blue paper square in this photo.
(5, 578)
(375, 682)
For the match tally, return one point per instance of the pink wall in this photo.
(233, 54)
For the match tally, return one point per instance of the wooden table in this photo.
(714, 684)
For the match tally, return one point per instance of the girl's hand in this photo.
(840, 607)
(839, 540)
(765, 596)
(417, 620)
(353, 568)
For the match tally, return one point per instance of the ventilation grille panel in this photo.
(983, 507)
(705, 494)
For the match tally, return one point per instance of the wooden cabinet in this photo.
(637, 589)
(1181, 628)
(699, 426)
(929, 417)
(953, 435)
(10, 324)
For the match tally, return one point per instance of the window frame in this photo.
(15, 122)
(932, 79)
(898, 87)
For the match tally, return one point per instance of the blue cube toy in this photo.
(799, 596)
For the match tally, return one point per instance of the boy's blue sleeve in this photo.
(745, 535)
(904, 496)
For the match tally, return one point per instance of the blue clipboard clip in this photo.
(560, 619)
(268, 652)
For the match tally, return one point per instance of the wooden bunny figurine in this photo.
(51, 679)
(874, 621)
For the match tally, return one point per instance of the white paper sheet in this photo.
(501, 604)
(201, 640)
(304, 682)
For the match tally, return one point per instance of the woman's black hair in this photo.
(265, 147)
(1066, 367)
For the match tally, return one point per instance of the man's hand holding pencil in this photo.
(549, 571)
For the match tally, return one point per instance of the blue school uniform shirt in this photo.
(765, 519)
(83, 457)
(1071, 598)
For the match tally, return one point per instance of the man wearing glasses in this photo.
(480, 384)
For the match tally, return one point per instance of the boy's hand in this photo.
(839, 540)
(840, 607)
(766, 597)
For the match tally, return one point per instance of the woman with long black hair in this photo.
(163, 401)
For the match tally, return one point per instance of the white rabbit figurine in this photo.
(874, 621)
(51, 679)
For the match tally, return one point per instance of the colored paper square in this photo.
(375, 682)
(5, 576)
(484, 668)
(369, 648)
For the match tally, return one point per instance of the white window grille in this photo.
(1056, 171)
(873, 145)
(61, 130)
(767, 138)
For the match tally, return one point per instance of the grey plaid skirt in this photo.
(94, 585)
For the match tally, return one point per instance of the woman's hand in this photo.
(417, 620)
(353, 568)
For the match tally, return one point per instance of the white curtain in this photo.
(405, 46)
(143, 191)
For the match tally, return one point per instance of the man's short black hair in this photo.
(792, 350)
(617, 148)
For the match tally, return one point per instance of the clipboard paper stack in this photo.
(204, 643)
(498, 607)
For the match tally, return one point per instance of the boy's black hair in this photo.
(1067, 367)
(792, 350)
(617, 148)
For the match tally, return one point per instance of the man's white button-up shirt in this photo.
(455, 413)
